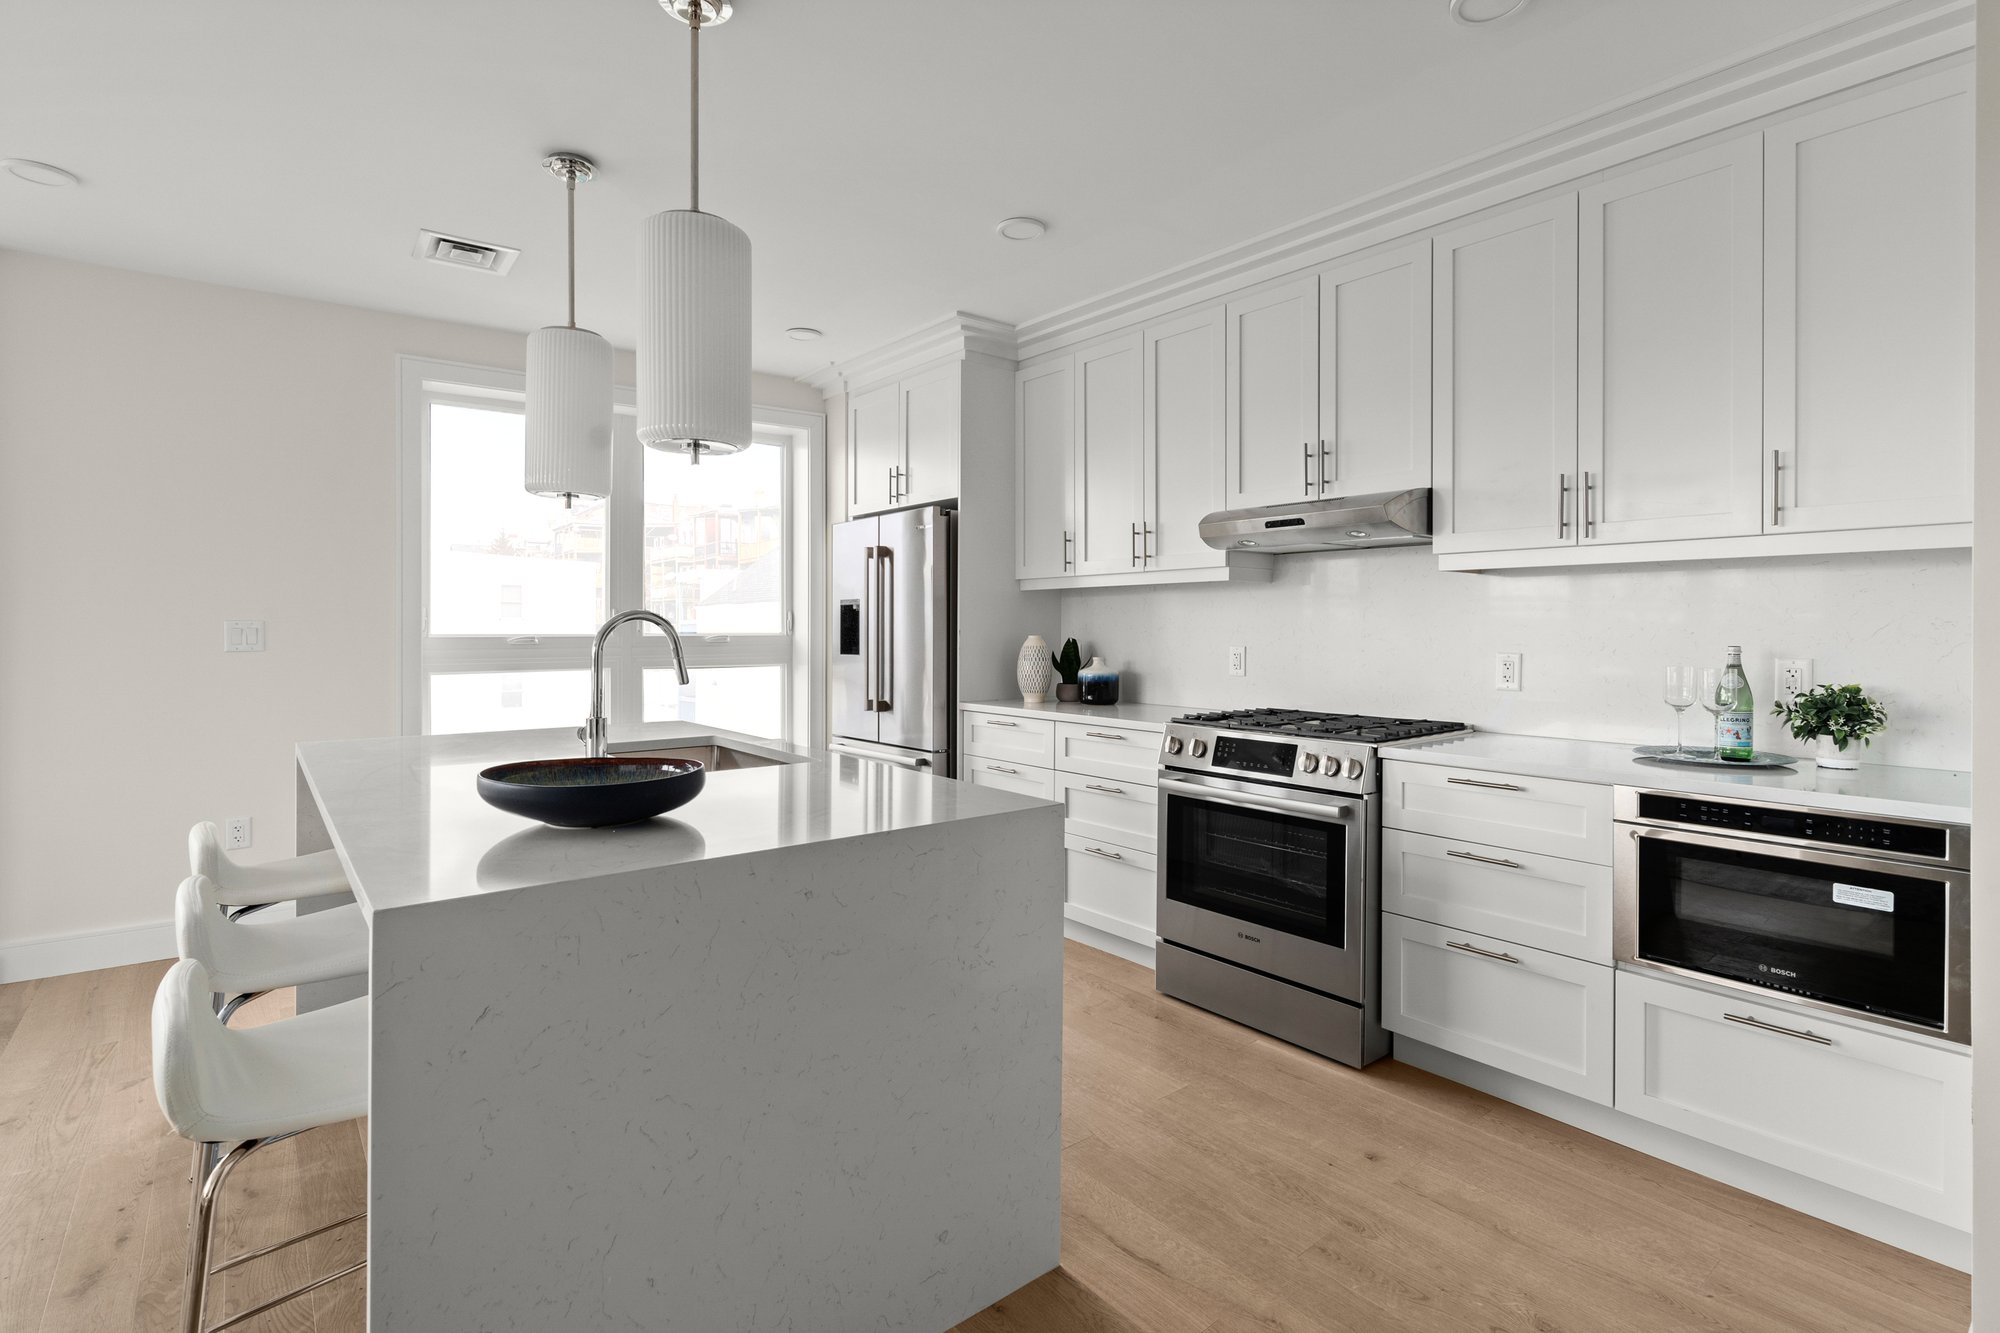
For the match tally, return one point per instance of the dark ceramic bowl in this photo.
(592, 793)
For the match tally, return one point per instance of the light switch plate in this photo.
(242, 636)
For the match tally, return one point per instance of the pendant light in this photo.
(569, 387)
(694, 300)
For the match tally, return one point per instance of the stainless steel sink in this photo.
(716, 758)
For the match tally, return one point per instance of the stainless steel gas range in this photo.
(1268, 875)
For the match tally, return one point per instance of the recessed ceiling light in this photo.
(802, 334)
(36, 173)
(1475, 12)
(1021, 229)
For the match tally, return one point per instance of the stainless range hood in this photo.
(1349, 523)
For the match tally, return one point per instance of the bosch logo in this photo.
(1254, 939)
(1777, 971)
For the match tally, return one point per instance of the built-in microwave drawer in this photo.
(1571, 820)
(1126, 813)
(1028, 781)
(1108, 751)
(1544, 902)
(1015, 740)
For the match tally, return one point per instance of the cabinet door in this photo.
(930, 436)
(1503, 400)
(1571, 820)
(1111, 887)
(1045, 430)
(1183, 441)
(1882, 1117)
(1543, 902)
(1670, 368)
(1110, 469)
(1125, 814)
(1375, 374)
(1036, 782)
(1868, 301)
(874, 449)
(1272, 396)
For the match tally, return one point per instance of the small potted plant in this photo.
(1067, 663)
(1830, 716)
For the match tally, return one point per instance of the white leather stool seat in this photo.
(221, 1085)
(255, 954)
(310, 876)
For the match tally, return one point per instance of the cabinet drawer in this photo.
(1873, 1114)
(1109, 751)
(1567, 819)
(1543, 902)
(1111, 888)
(1011, 740)
(1126, 813)
(1541, 1015)
(1040, 782)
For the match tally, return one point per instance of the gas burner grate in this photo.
(1329, 726)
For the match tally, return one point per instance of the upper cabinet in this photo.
(1375, 373)
(1183, 429)
(1868, 310)
(903, 441)
(875, 449)
(1109, 482)
(1045, 435)
(1272, 428)
(1504, 380)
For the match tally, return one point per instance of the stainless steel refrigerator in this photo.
(892, 676)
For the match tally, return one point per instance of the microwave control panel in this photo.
(1931, 841)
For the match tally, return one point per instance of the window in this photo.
(503, 590)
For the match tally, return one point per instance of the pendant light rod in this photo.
(571, 168)
(572, 251)
(694, 109)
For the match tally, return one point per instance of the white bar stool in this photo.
(219, 1086)
(244, 958)
(313, 875)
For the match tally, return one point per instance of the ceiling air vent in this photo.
(457, 252)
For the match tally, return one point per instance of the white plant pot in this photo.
(1827, 755)
(1033, 671)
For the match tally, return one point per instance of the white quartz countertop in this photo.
(1884, 789)
(406, 817)
(1138, 715)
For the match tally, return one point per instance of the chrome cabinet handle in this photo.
(1483, 953)
(1562, 506)
(1115, 791)
(1145, 542)
(1777, 471)
(522, 639)
(1758, 1023)
(1067, 559)
(1322, 466)
(996, 722)
(1000, 768)
(1107, 735)
(1135, 543)
(1475, 782)
(1308, 465)
(1483, 860)
(1589, 505)
(892, 481)
(1109, 856)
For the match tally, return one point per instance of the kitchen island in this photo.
(787, 1058)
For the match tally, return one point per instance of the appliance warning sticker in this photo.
(1853, 895)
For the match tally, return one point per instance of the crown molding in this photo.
(1819, 62)
(958, 334)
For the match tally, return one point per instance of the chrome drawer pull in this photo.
(1115, 791)
(996, 722)
(1762, 1026)
(1475, 782)
(1107, 735)
(1484, 860)
(1483, 953)
(996, 768)
(1109, 856)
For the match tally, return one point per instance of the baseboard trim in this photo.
(1105, 942)
(61, 955)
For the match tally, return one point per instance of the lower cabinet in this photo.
(1028, 781)
(1541, 901)
(1126, 813)
(1880, 1116)
(1111, 888)
(1541, 1015)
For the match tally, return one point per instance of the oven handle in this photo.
(1325, 814)
(1747, 1021)
(1827, 854)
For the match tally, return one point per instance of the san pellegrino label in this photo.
(1734, 723)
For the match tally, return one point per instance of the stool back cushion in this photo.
(183, 1025)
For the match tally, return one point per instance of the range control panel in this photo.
(1917, 841)
(1317, 765)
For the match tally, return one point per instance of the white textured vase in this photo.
(1033, 671)
(1828, 755)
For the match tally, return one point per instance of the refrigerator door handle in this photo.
(870, 632)
(885, 598)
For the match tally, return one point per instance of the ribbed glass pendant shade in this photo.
(694, 333)
(569, 413)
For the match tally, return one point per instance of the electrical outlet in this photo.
(236, 833)
(1794, 677)
(1507, 671)
(1236, 664)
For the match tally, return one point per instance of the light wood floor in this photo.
(1214, 1181)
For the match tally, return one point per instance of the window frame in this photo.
(800, 435)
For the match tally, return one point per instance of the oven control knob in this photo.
(1311, 764)
(1173, 745)
(1354, 767)
(1198, 749)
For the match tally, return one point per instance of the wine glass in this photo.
(1679, 697)
(1710, 694)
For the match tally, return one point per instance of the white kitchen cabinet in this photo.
(1670, 413)
(1029, 741)
(1026, 781)
(1183, 438)
(1545, 902)
(930, 429)
(1374, 406)
(1541, 1015)
(1109, 750)
(1045, 427)
(1868, 309)
(1111, 888)
(1271, 426)
(1125, 814)
(1503, 405)
(1109, 479)
(1880, 1116)
(1547, 816)
(875, 449)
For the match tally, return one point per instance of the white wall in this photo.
(1385, 632)
(175, 454)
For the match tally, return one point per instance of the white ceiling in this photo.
(867, 147)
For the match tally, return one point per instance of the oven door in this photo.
(1876, 939)
(1270, 878)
